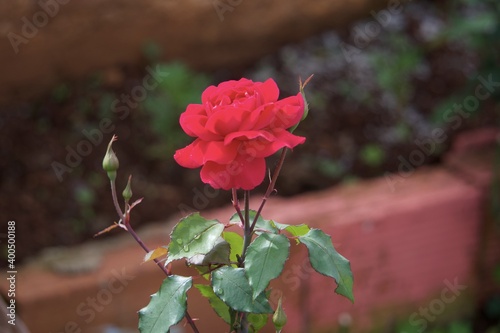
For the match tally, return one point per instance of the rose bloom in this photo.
(238, 124)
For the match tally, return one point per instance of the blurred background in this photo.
(72, 74)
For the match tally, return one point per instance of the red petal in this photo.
(214, 151)
(195, 126)
(262, 148)
(263, 116)
(268, 90)
(183, 157)
(245, 172)
(227, 120)
(207, 94)
(289, 112)
(248, 135)
(195, 109)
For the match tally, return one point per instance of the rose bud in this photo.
(110, 162)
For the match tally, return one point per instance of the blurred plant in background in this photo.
(395, 89)
(165, 104)
(475, 26)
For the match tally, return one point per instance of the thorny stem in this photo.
(132, 232)
(247, 234)
(126, 221)
(270, 188)
(247, 207)
(247, 238)
(236, 205)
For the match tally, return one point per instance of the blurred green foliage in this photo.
(61, 92)
(395, 66)
(474, 24)
(372, 155)
(330, 167)
(165, 104)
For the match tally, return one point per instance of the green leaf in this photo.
(327, 261)
(295, 230)
(218, 255)
(261, 225)
(235, 242)
(265, 259)
(216, 303)
(166, 307)
(257, 321)
(204, 271)
(232, 286)
(193, 235)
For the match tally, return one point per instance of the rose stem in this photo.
(247, 238)
(115, 200)
(247, 231)
(270, 188)
(236, 205)
(244, 323)
(126, 221)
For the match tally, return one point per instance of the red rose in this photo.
(238, 124)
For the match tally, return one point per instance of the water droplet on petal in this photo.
(186, 248)
(197, 236)
(179, 241)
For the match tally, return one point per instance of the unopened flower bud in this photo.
(306, 105)
(110, 162)
(302, 92)
(127, 192)
(279, 317)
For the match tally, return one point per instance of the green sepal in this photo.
(306, 105)
(279, 316)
